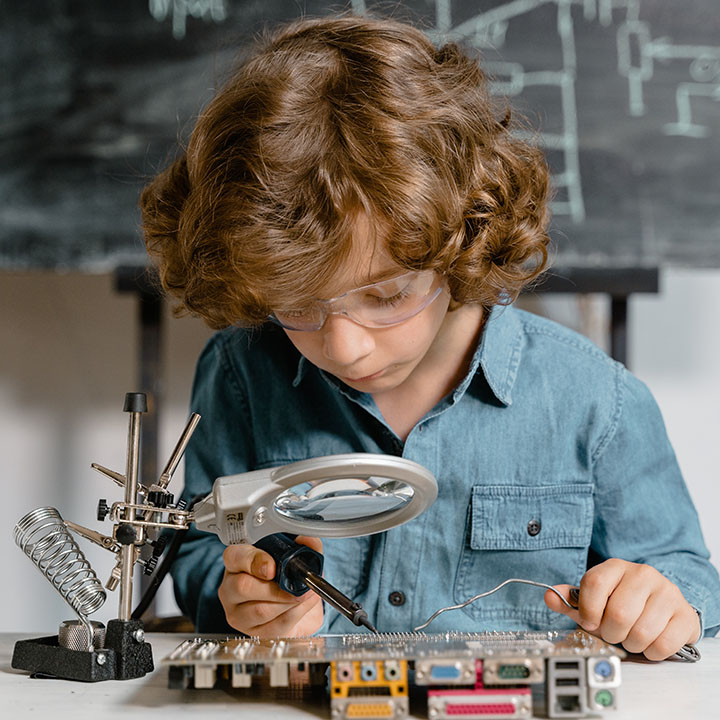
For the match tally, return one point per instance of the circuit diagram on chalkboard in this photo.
(640, 55)
(621, 95)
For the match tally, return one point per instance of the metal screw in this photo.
(101, 659)
(259, 516)
(138, 635)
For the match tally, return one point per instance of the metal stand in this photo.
(144, 284)
(618, 283)
(125, 655)
(84, 650)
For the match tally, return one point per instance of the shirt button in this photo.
(534, 527)
(396, 598)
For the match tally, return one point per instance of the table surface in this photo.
(656, 691)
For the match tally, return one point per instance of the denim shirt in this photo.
(550, 458)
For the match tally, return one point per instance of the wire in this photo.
(687, 653)
(490, 592)
(164, 567)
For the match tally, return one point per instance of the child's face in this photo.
(371, 360)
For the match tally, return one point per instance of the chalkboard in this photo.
(625, 95)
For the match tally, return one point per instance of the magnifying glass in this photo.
(336, 496)
(333, 496)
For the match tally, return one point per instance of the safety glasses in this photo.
(377, 305)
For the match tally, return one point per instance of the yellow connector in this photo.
(368, 677)
(369, 710)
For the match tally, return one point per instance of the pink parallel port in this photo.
(480, 692)
(477, 709)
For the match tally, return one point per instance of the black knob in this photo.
(150, 565)
(160, 498)
(125, 534)
(158, 546)
(102, 509)
(135, 402)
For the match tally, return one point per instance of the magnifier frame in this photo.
(241, 508)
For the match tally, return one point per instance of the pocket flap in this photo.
(514, 517)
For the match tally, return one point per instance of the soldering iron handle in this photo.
(285, 551)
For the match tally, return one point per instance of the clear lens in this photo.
(343, 499)
(378, 305)
(310, 318)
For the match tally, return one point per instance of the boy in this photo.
(353, 197)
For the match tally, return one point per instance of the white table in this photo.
(652, 691)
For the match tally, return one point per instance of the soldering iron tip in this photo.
(369, 625)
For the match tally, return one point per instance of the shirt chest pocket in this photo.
(539, 533)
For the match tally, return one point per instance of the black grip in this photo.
(291, 560)
(135, 402)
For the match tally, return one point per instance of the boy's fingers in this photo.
(649, 626)
(256, 562)
(629, 606)
(277, 619)
(238, 588)
(596, 587)
(249, 559)
(557, 605)
(669, 641)
(313, 542)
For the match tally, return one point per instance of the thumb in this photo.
(311, 542)
(558, 606)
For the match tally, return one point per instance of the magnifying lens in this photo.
(334, 496)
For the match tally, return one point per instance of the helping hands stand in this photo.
(84, 650)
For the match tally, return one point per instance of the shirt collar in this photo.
(301, 370)
(497, 356)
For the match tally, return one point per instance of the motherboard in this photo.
(456, 675)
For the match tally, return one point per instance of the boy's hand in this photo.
(632, 604)
(253, 602)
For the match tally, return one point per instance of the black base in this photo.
(122, 658)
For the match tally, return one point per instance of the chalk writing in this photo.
(637, 51)
(637, 54)
(180, 10)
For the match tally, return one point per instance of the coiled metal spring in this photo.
(43, 536)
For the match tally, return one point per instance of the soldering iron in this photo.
(299, 568)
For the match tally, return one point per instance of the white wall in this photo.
(68, 355)
(675, 349)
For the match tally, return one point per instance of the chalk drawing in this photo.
(638, 54)
(180, 10)
(488, 30)
(637, 57)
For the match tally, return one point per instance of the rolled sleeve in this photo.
(643, 511)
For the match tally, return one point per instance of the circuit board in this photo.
(463, 675)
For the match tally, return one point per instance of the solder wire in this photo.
(490, 592)
(687, 653)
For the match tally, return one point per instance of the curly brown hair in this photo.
(328, 118)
